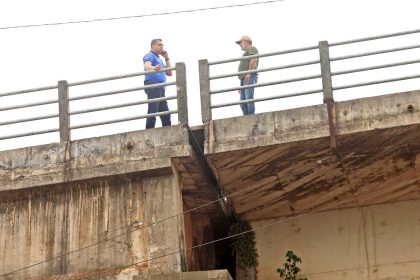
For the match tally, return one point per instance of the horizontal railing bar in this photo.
(27, 91)
(376, 82)
(122, 105)
(266, 98)
(264, 69)
(375, 67)
(266, 84)
(263, 55)
(374, 53)
(374, 38)
(29, 119)
(117, 77)
(124, 119)
(29, 134)
(28, 105)
(121, 91)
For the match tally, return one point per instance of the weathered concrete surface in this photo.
(195, 275)
(147, 150)
(57, 198)
(202, 201)
(194, 171)
(279, 164)
(305, 123)
(92, 196)
(374, 242)
(104, 216)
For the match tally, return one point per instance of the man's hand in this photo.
(164, 53)
(158, 67)
(246, 79)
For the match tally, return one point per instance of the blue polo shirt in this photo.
(155, 60)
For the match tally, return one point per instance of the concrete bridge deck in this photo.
(59, 197)
(285, 162)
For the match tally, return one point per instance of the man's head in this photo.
(245, 41)
(156, 46)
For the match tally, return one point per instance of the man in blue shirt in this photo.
(153, 63)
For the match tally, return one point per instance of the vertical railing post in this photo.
(63, 110)
(204, 72)
(181, 88)
(324, 55)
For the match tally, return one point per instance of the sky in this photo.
(40, 56)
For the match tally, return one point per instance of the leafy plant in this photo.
(244, 245)
(291, 270)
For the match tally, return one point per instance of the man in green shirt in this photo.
(245, 43)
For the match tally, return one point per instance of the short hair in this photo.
(154, 41)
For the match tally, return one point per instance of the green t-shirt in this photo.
(244, 64)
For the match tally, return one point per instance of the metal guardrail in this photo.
(64, 101)
(325, 73)
(64, 104)
(206, 78)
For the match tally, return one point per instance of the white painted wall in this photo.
(374, 242)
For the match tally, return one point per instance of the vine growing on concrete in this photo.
(244, 245)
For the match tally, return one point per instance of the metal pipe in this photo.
(375, 67)
(121, 105)
(374, 53)
(266, 98)
(121, 91)
(30, 119)
(117, 77)
(266, 84)
(377, 82)
(263, 55)
(27, 91)
(124, 119)
(374, 38)
(264, 69)
(29, 105)
(29, 133)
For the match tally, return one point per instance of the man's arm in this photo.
(253, 63)
(148, 66)
(167, 62)
(252, 66)
(168, 65)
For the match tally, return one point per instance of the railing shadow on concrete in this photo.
(64, 104)
(325, 74)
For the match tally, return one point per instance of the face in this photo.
(243, 44)
(158, 47)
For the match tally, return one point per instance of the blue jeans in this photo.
(248, 93)
(155, 107)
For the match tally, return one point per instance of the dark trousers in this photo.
(155, 107)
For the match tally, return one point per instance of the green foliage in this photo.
(290, 270)
(244, 245)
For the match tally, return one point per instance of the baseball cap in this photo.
(245, 37)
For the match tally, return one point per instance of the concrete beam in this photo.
(299, 124)
(139, 151)
(193, 275)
